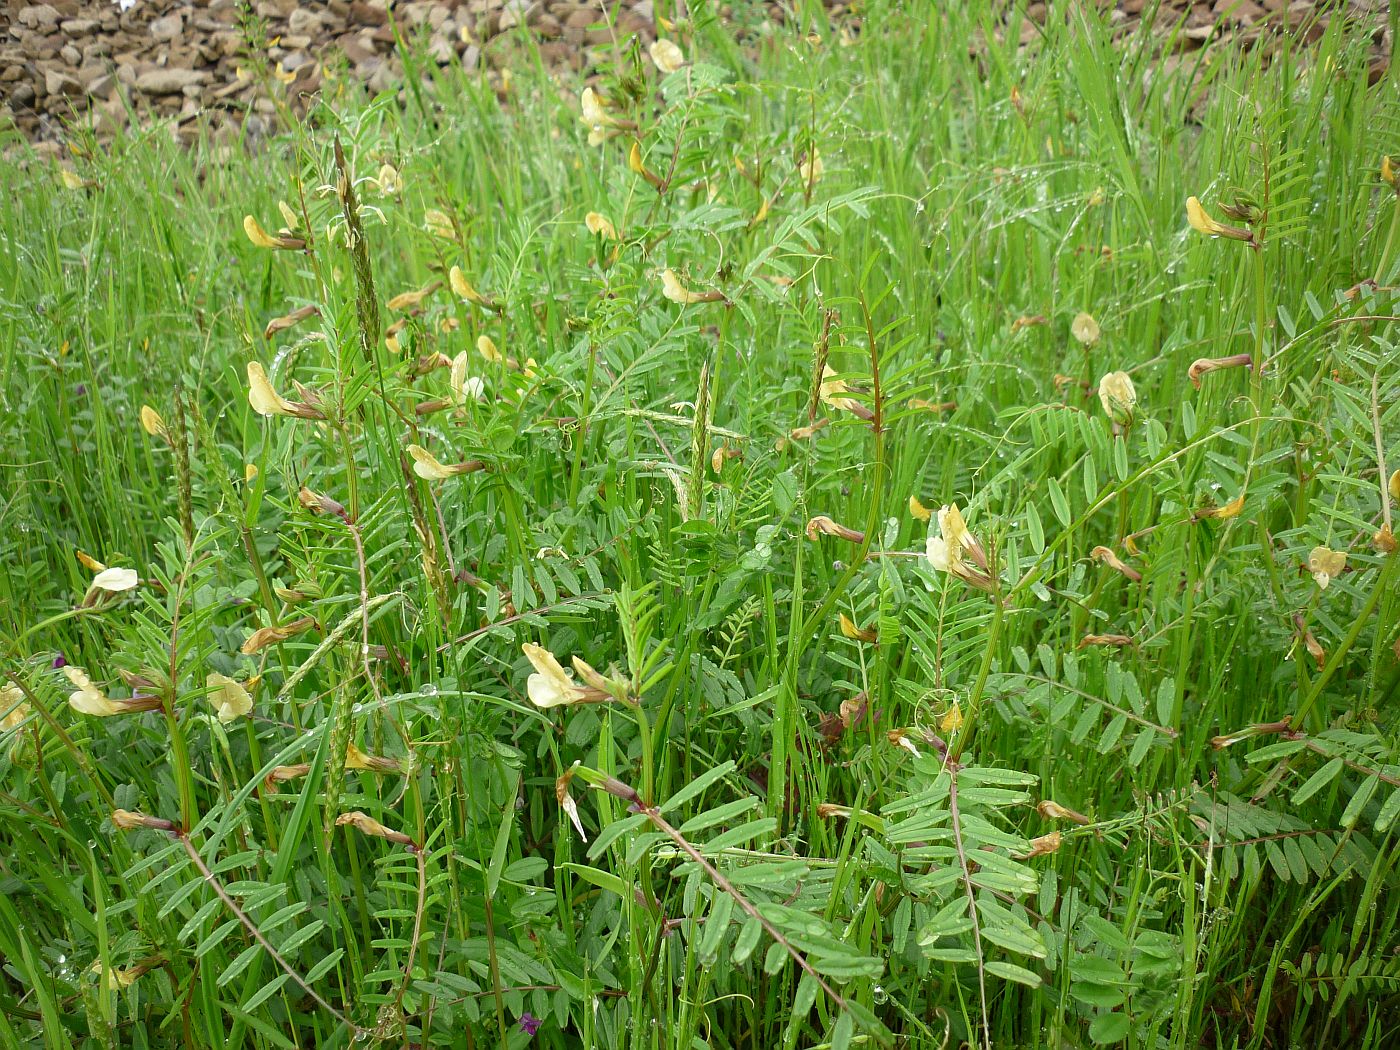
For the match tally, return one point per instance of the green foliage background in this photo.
(1235, 895)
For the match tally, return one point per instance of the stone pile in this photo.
(236, 64)
(240, 65)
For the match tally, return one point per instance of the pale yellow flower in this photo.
(266, 401)
(388, 181)
(1118, 397)
(957, 552)
(1201, 221)
(262, 239)
(567, 803)
(151, 422)
(1202, 365)
(673, 290)
(265, 636)
(667, 55)
(86, 698)
(408, 300)
(550, 685)
(463, 288)
(367, 825)
(1388, 173)
(1326, 564)
(429, 468)
(357, 759)
(115, 580)
(486, 347)
(464, 387)
(855, 633)
(594, 111)
(832, 391)
(600, 226)
(439, 224)
(229, 698)
(918, 510)
(13, 709)
(1084, 329)
(810, 167)
(289, 217)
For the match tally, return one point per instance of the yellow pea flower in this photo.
(1202, 365)
(464, 290)
(429, 468)
(667, 56)
(1201, 221)
(408, 300)
(152, 423)
(228, 696)
(87, 699)
(1118, 397)
(956, 551)
(1326, 564)
(262, 239)
(265, 636)
(600, 226)
(673, 290)
(388, 181)
(1085, 329)
(552, 686)
(266, 401)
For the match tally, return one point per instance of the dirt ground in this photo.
(243, 66)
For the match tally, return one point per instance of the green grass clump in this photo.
(1115, 762)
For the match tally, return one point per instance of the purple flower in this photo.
(60, 661)
(80, 390)
(529, 1023)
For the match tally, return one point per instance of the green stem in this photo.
(1383, 267)
(974, 698)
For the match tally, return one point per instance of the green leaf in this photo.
(696, 786)
(1318, 781)
(1107, 1029)
(604, 880)
(1011, 972)
(1363, 794)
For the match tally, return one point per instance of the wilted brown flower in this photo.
(823, 525)
(1117, 641)
(369, 826)
(1109, 558)
(129, 820)
(1052, 810)
(1202, 365)
(291, 320)
(265, 636)
(1042, 845)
